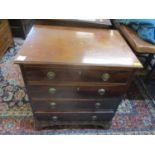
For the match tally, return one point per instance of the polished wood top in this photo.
(138, 44)
(76, 46)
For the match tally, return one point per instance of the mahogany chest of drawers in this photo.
(6, 39)
(75, 75)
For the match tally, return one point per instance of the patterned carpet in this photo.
(135, 115)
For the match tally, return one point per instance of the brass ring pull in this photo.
(101, 91)
(51, 75)
(94, 118)
(53, 104)
(80, 72)
(52, 90)
(97, 105)
(54, 118)
(78, 89)
(105, 77)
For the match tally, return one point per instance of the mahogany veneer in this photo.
(75, 75)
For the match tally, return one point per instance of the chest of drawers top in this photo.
(76, 46)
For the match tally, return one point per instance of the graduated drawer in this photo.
(43, 91)
(76, 75)
(75, 104)
(75, 115)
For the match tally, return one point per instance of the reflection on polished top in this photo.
(76, 46)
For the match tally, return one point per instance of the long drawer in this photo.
(75, 104)
(75, 116)
(45, 91)
(56, 74)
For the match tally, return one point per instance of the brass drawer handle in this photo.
(94, 118)
(54, 118)
(52, 90)
(77, 89)
(97, 105)
(52, 104)
(51, 75)
(80, 72)
(101, 91)
(105, 77)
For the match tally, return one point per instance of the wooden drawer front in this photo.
(74, 104)
(75, 92)
(75, 116)
(79, 75)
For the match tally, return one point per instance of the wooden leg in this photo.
(148, 60)
(149, 73)
(107, 125)
(37, 125)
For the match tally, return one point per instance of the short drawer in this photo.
(78, 75)
(75, 104)
(75, 116)
(38, 91)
